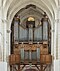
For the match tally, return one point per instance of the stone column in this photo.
(1, 33)
(52, 39)
(8, 44)
(56, 47)
(52, 46)
(57, 42)
(56, 39)
(5, 38)
(59, 35)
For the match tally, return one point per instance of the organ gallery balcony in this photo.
(34, 54)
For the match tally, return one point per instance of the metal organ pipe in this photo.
(30, 34)
(15, 31)
(45, 29)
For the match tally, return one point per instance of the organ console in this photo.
(33, 44)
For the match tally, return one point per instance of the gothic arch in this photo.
(11, 7)
(14, 6)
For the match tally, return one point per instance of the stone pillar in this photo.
(56, 47)
(6, 42)
(56, 39)
(1, 33)
(8, 49)
(1, 42)
(52, 46)
(52, 39)
(59, 36)
(5, 38)
(56, 61)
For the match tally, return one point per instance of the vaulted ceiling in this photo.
(13, 6)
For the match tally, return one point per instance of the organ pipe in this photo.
(31, 33)
(45, 29)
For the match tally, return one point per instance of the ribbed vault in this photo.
(13, 6)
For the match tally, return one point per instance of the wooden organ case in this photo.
(30, 45)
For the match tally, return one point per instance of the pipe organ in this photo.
(31, 44)
(30, 32)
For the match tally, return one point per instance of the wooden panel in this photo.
(32, 61)
(27, 48)
(14, 59)
(44, 49)
(32, 47)
(42, 59)
(16, 51)
(26, 61)
(46, 59)
(17, 59)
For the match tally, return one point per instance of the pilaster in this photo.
(6, 39)
(56, 61)
(1, 33)
(59, 36)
